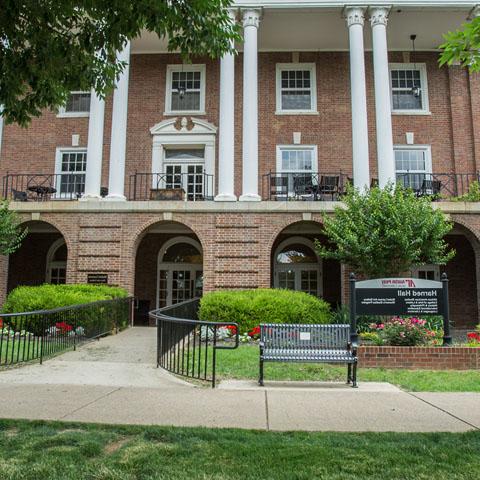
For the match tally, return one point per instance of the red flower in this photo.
(232, 328)
(254, 331)
(474, 336)
(1, 322)
(63, 327)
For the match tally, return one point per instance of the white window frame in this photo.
(414, 272)
(422, 67)
(62, 113)
(428, 158)
(58, 166)
(281, 67)
(168, 90)
(51, 264)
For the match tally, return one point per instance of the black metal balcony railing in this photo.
(40, 187)
(191, 186)
(304, 186)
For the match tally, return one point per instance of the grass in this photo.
(243, 364)
(18, 350)
(60, 451)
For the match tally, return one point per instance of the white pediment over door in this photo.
(184, 126)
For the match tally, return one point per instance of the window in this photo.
(78, 105)
(296, 88)
(57, 263)
(184, 168)
(413, 166)
(404, 78)
(426, 272)
(298, 166)
(185, 89)
(71, 165)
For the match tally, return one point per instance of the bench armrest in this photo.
(352, 347)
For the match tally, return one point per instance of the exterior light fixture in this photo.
(181, 87)
(415, 89)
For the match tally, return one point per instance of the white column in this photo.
(361, 169)
(383, 108)
(116, 178)
(93, 175)
(226, 140)
(251, 20)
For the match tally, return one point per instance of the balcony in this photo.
(332, 186)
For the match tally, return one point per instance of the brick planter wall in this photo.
(425, 358)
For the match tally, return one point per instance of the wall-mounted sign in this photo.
(97, 278)
(399, 296)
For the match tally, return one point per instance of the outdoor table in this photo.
(42, 190)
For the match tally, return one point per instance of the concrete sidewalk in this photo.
(115, 381)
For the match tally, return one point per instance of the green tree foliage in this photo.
(11, 234)
(384, 232)
(463, 46)
(51, 47)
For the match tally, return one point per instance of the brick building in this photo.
(216, 174)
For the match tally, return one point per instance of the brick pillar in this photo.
(474, 83)
(3, 278)
(462, 134)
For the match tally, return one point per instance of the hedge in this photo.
(47, 297)
(249, 308)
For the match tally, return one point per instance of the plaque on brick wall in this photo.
(97, 278)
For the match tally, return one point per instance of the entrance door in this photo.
(297, 267)
(180, 272)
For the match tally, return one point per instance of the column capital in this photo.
(354, 15)
(251, 17)
(379, 15)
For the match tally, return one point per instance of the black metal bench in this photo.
(308, 343)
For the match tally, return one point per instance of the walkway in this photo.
(115, 380)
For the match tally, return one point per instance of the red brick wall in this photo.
(420, 358)
(453, 94)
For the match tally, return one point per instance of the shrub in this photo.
(473, 194)
(249, 308)
(406, 332)
(47, 297)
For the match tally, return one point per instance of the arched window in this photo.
(297, 266)
(180, 271)
(57, 263)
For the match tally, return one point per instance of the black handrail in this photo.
(183, 343)
(35, 335)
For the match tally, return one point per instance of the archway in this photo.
(42, 257)
(168, 267)
(296, 266)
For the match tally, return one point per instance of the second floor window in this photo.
(185, 89)
(296, 88)
(296, 169)
(78, 104)
(70, 169)
(413, 167)
(409, 88)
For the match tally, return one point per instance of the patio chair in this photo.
(430, 188)
(19, 196)
(329, 185)
(278, 187)
(303, 187)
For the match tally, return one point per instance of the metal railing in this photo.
(37, 335)
(187, 346)
(195, 186)
(438, 186)
(304, 186)
(41, 187)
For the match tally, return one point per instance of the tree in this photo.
(463, 46)
(51, 47)
(11, 234)
(384, 232)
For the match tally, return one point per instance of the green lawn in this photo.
(56, 451)
(243, 363)
(20, 350)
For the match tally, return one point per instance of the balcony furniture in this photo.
(278, 187)
(103, 192)
(19, 196)
(373, 182)
(303, 187)
(308, 343)
(329, 185)
(43, 192)
(167, 194)
(430, 188)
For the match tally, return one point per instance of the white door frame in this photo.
(170, 266)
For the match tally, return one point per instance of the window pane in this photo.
(406, 100)
(78, 102)
(296, 100)
(296, 253)
(183, 253)
(185, 154)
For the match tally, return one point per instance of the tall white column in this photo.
(93, 175)
(116, 178)
(251, 21)
(383, 109)
(226, 140)
(355, 17)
